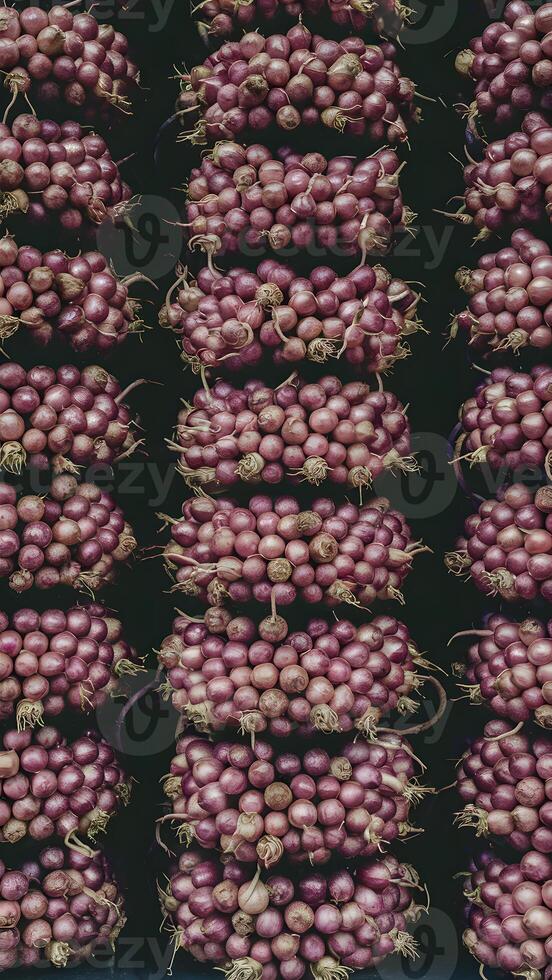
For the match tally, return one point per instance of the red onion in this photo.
(40, 179)
(53, 296)
(75, 535)
(505, 786)
(360, 799)
(81, 63)
(252, 927)
(52, 789)
(346, 434)
(509, 916)
(507, 545)
(332, 677)
(511, 185)
(506, 422)
(244, 198)
(511, 64)
(509, 667)
(510, 297)
(232, 321)
(58, 909)
(222, 18)
(69, 418)
(274, 550)
(352, 87)
(55, 661)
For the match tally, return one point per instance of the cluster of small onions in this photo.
(241, 316)
(300, 79)
(273, 551)
(245, 198)
(277, 928)
(509, 666)
(65, 418)
(508, 420)
(346, 434)
(510, 914)
(49, 788)
(58, 908)
(512, 185)
(75, 535)
(221, 18)
(511, 63)
(52, 296)
(510, 294)
(507, 545)
(504, 781)
(229, 672)
(261, 805)
(61, 56)
(58, 660)
(58, 172)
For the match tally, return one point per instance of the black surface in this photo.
(434, 382)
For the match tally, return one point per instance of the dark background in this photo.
(433, 381)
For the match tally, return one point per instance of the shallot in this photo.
(507, 545)
(65, 418)
(252, 927)
(49, 788)
(75, 535)
(300, 79)
(346, 434)
(240, 317)
(242, 198)
(58, 661)
(229, 672)
(273, 551)
(261, 805)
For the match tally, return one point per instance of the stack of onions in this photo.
(508, 421)
(55, 660)
(75, 535)
(346, 434)
(511, 64)
(300, 79)
(274, 551)
(244, 198)
(274, 928)
(58, 909)
(262, 805)
(507, 545)
(330, 677)
(505, 784)
(60, 172)
(222, 18)
(54, 297)
(512, 185)
(510, 667)
(49, 788)
(61, 56)
(510, 915)
(65, 418)
(510, 294)
(232, 321)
